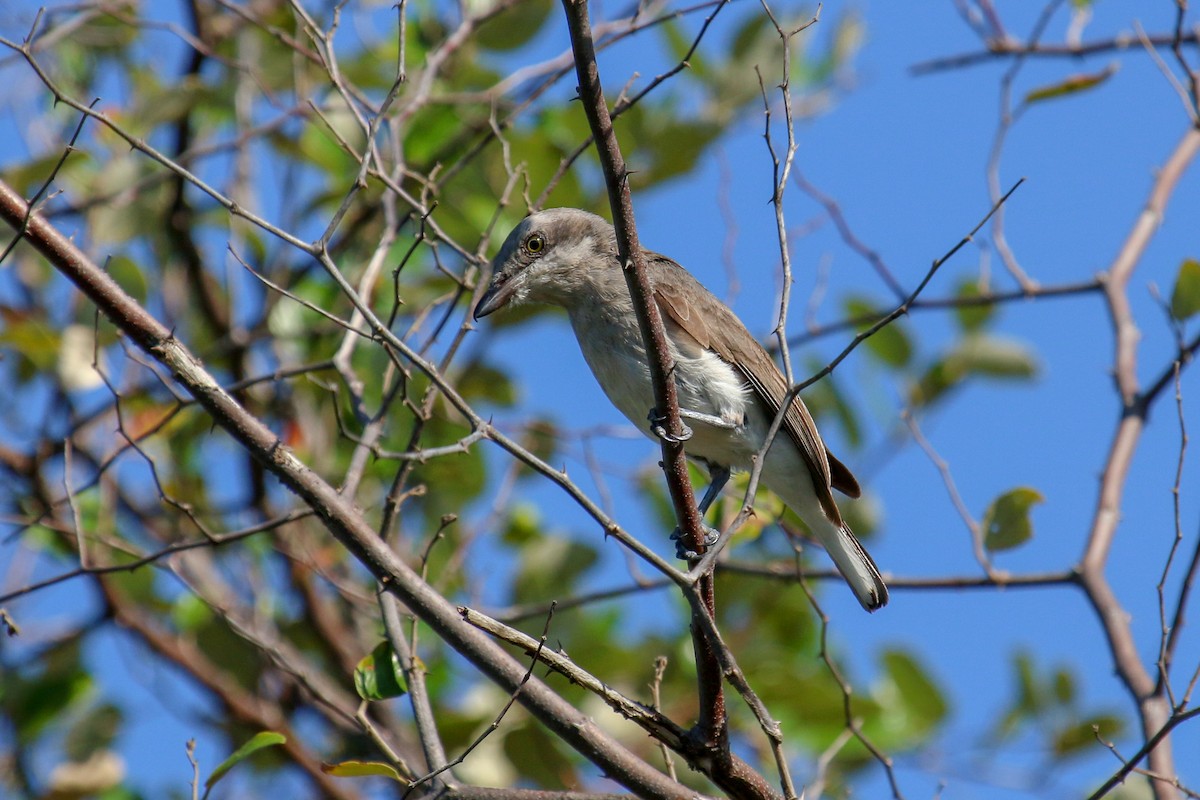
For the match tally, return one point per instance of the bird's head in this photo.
(550, 257)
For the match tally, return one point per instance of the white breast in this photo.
(706, 384)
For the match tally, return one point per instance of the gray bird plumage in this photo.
(568, 258)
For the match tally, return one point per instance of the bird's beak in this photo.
(495, 298)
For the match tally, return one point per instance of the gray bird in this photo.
(728, 386)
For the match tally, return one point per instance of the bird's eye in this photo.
(535, 244)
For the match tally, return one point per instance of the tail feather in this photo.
(856, 566)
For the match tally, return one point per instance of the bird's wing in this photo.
(686, 303)
(841, 477)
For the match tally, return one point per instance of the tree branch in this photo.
(338, 512)
(712, 724)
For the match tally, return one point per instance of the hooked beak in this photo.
(495, 298)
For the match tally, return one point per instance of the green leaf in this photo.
(363, 769)
(825, 397)
(921, 702)
(540, 755)
(129, 275)
(678, 43)
(33, 340)
(1078, 737)
(972, 318)
(514, 26)
(1006, 522)
(522, 525)
(540, 437)
(977, 354)
(941, 376)
(1027, 701)
(35, 704)
(995, 357)
(1029, 696)
(258, 742)
(484, 382)
(1064, 686)
(190, 613)
(889, 344)
(379, 675)
(752, 30)
(95, 731)
(550, 567)
(1185, 299)
(1073, 84)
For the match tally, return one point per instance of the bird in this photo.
(728, 386)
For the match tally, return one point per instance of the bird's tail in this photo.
(855, 564)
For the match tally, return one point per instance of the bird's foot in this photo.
(658, 429)
(711, 536)
(708, 419)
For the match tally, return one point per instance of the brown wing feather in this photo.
(841, 477)
(686, 303)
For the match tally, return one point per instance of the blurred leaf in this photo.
(379, 676)
(1006, 522)
(862, 515)
(432, 126)
(227, 650)
(119, 793)
(129, 275)
(451, 481)
(1027, 702)
(550, 568)
(754, 28)
(156, 103)
(120, 219)
(258, 742)
(320, 146)
(540, 755)
(920, 705)
(522, 525)
(1071, 85)
(938, 379)
(190, 613)
(889, 344)
(995, 357)
(363, 769)
(826, 397)
(1185, 299)
(29, 176)
(667, 142)
(34, 341)
(1064, 687)
(678, 43)
(1078, 737)
(975, 354)
(484, 382)
(514, 26)
(95, 731)
(35, 702)
(972, 318)
(652, 488)
(1028, 693)
(540, 437)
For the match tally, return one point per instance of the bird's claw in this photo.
(656, 427)
(711, 536)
